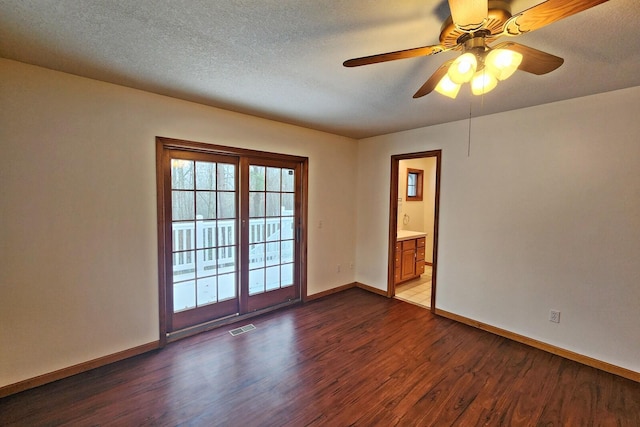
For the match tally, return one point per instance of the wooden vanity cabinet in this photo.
(409, 259)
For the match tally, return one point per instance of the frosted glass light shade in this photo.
(447, 88)
(483, 81)
(463, 68)
(503, 62)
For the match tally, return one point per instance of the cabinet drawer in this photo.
(396, 276)
(419, 267)
(408, 244)
(421, 242)
(398, 257)
(398, 246)
(420, 254)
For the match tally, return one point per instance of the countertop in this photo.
(406, 235)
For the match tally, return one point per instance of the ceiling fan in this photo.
(472, 25)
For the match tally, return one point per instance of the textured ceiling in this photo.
(282, 59)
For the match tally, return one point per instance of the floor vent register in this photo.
(242, 330)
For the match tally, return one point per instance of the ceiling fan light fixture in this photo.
(447, 88)
(503, 62)
(463, 68)
(481, 22)
(483, 81)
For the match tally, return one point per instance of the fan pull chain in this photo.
(469, 136)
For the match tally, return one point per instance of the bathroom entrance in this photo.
(413, 227)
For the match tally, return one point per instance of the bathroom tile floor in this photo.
(417, 291)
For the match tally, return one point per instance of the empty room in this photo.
(320, 213)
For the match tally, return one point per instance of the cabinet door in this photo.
(408, 263)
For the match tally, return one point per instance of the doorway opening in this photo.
(231, 234)
(413, 227)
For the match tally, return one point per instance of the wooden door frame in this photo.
(164, 211)
(393, 218)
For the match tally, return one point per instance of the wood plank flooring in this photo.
(353, 358)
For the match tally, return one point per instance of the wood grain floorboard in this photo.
(352, 358)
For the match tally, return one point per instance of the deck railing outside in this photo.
(219, 236)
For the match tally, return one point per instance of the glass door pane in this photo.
(272, 246)
(204, 240)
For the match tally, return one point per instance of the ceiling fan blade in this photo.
(433, 81)
(533, 60)
(545, 13)
(392, 56)
(469, 15)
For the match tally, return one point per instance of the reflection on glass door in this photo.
(271, 234)
(204, 240)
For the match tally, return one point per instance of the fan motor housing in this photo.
(498, 13)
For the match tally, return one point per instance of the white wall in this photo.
(78, 243)
(544, 214)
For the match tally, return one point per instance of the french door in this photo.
(272, 229)
(230, 225)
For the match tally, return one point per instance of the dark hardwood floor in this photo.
(353, 358)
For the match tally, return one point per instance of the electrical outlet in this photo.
(554, 316)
